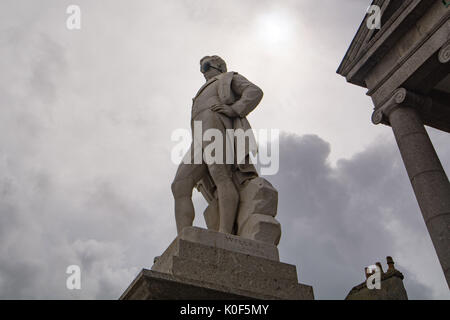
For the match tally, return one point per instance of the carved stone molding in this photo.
(400, 98)
(444, 54)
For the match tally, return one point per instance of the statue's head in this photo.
(211, 66)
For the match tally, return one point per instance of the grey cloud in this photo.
(336, 220)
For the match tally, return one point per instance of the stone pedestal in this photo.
(201, 264)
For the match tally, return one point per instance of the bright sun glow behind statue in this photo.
(276, 28)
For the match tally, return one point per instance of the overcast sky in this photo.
(86, 118)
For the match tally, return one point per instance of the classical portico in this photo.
(405, 67)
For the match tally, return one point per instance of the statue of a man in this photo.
(221, 103)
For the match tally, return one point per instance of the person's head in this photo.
(211, 66)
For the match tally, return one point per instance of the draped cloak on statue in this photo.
(242, 96)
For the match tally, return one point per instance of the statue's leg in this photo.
(227, 194)
(185, 179)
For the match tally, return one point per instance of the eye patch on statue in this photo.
(207, 65)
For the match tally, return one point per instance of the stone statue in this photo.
(240, 202)
(237, 256)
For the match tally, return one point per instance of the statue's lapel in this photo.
(203, 87)
(224, 89)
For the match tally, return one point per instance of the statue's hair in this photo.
(216, 61)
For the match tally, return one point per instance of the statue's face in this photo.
(209, 69)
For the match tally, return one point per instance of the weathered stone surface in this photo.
(391, 286)
(257, 207)
(258, 196)
(211, 215)
(428, 178)
(151, 285)
(204, 256)
(230, 242)
(236, 277)
(224, 260)
(262, 228)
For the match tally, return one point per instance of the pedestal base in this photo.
(205, 264)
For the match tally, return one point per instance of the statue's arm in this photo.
(249, 95)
